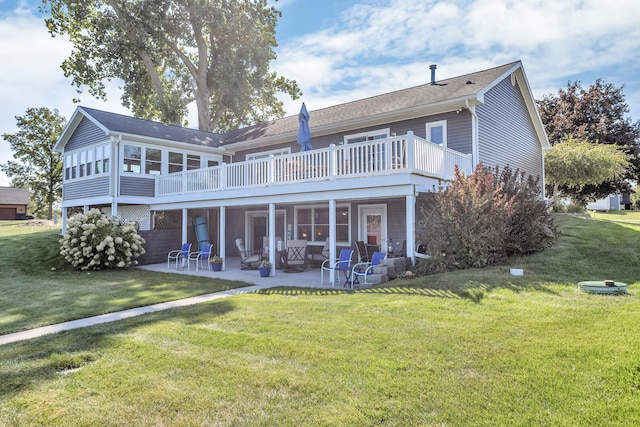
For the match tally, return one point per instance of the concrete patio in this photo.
(309, 278)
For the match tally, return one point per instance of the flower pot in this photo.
(216, 266)
(264, 271)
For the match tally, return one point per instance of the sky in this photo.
(343, 50)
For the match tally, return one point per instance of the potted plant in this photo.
(264, 268)
(216, 263)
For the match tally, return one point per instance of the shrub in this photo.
(481, 219)
(95, 242)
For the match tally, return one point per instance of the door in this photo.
(373, 224)
(257, 227)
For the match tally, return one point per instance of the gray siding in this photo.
(87, 133)
(506, 133)
(458, 133)
(95, 187)
(137, 186)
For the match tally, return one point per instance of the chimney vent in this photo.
(433, 73)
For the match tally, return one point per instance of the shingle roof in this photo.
(426, 94)
(444, 90)
(131, 125)
(14, 196)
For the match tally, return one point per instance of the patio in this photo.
(309, 278)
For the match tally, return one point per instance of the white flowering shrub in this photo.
(95, 242)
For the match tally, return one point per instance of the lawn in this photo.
(39, 289)
(475, 347)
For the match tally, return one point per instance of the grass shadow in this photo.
(26, 364)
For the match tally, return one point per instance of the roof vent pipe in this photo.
(432, 67)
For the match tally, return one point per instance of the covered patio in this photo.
(309, 278)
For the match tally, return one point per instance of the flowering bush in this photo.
(94, 242)
(264, 264)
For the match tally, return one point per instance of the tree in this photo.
(598, 116)
(170, 53)
(38, 167)
(573, 164)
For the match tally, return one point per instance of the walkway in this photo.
(308, 279)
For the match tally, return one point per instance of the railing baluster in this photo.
(404, 154)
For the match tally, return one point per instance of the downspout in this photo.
(475, 152)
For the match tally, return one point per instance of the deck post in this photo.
(332, 235)
(411, 226)
(222, 224)
(272, 237)
(411, 152)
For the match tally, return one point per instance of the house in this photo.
(371, 160)
(13, 203)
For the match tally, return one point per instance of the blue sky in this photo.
(343, 50)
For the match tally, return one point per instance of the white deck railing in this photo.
(397, 154)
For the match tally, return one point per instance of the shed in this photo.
(13, 203)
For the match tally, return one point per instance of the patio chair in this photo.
(199, 256)
(319, 258)
(364, 269)
(181, 256)
(296, 255)
(371, 249)
(248, 260)
(343, 264)
(362, 251)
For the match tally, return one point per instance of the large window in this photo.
(437, 132)
(312, 223)
(87, 162)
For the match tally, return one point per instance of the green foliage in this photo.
(572, 164)
(93, 241)
(169, 54)
(38, 167)
(481, 219)
(597, 115)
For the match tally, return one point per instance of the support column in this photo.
(222, 225)
(184, 225)
(272, 237)
(332, 236)
(64, 221)
(411, 226)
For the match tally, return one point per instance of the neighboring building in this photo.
(13, 203)
(613, 202)
(370, 162)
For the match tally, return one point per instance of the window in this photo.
(153, 161)
(265, 154)
(74, 166)
(437, 132)
(193, 161)
(102, 159)
(132, 159)
(312, 223)
(175, 162)
(366, 136)
(89, 166)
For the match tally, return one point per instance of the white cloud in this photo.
(379, 46)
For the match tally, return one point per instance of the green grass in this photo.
(38, 288)
(475, 347)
